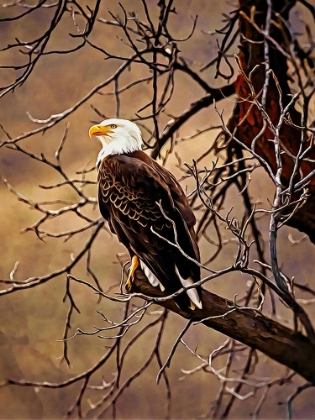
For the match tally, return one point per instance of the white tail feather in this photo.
(153, 280)
(192, 293)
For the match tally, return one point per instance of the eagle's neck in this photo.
(127, 145)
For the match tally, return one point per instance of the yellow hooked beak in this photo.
(99, 130)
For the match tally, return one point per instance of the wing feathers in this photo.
(130, 186)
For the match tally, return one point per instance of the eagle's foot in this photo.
(134, 265)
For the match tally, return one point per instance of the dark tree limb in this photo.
(264, 78)
(215, 96)
(248, 326)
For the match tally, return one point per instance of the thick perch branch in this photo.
(248, 326)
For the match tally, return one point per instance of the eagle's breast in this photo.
(127, 195)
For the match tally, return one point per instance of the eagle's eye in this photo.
(113, 126)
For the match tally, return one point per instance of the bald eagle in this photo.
(148, 211)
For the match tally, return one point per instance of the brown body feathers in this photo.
(134, 192)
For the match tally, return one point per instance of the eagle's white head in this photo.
(117, 136)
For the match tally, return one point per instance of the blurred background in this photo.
(33, 320)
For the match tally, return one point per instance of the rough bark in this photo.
(248, 326)
(247, 120)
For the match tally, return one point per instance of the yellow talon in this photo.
(134, 265)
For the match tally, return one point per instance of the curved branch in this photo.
(215, 95)
(248, 326)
